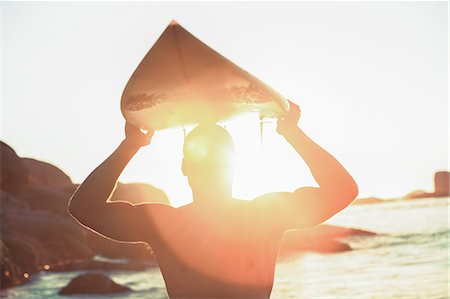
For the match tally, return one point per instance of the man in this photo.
(215, 247)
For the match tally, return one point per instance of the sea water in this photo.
(409, 258)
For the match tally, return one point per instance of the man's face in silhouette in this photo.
(208, 157)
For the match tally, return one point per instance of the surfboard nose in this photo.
(182, 81)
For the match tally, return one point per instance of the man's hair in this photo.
(208, 142)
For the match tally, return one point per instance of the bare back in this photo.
(223, 251)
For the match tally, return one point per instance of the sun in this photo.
(259, 167)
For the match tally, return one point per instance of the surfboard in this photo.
(182, 81)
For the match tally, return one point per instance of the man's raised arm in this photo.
(310, 206)
(119, 220)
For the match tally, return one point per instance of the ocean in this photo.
(409, 258)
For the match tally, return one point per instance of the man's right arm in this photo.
(117, 220)
(310, 206)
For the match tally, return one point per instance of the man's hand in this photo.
(137, 138)
(288, 122)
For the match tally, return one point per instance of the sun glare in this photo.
(259, 167)
(265, 162)
(249, 171)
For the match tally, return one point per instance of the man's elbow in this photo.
(349, 193)
(353, 191)
(80, 214)
(76, 208)
(73, 209)
(345, 194)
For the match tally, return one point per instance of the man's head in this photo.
(208, 157)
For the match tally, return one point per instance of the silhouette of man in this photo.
(215, 247)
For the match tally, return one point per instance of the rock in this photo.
(14, 174)
(33, 238)
(417, 194)
(53, 237)
(332, 231)
(11, 273)
(45, 174)
(315, 245)
(38, 233)
(44, 198)
(93, 283)
(322, 238)
(441, 183)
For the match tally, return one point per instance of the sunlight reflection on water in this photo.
(409, 259)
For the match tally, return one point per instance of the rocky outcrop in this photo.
(45, 174)
(13, 172)
(93, 283)
(441, 187)
(32, 238)
(37, 232)
(442, 183)
(322, 238)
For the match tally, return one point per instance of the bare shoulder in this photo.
(288, 210)
(305, 207)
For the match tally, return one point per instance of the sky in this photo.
(371, 79)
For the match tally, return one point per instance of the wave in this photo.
(438, 238)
